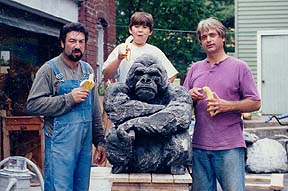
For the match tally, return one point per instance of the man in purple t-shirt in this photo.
(218, 143)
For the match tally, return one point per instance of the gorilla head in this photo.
(147, 78)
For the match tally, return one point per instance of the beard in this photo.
(72, 57)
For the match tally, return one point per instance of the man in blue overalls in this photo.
(72, 114)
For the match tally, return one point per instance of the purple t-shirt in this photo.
(232, 80)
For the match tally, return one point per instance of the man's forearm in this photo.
(246, 105)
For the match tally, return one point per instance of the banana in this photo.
(126, 44)
(89, 83)
(209, 95)
(208, 92)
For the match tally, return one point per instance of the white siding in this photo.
(256, 15)
(67, 10)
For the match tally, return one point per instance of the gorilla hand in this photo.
(125, 133)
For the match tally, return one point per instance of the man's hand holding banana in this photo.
(81, 93)
(215, 104)
(89, 83)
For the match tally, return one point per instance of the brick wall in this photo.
(89, 13)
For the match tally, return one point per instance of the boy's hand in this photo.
(123, 51)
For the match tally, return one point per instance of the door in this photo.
(274, 72)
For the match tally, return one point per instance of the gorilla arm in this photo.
(120, 107)
(175, 117)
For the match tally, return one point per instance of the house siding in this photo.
(252, 16)
(52, 8)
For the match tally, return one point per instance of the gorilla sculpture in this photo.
(151, 118)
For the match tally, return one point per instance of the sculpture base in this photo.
(151, 182)
(264, 181)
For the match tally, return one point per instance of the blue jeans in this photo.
(227, 166)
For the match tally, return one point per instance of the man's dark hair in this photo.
(73, 27)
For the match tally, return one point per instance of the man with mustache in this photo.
(72, 115)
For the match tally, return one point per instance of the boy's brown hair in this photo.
(141, 18)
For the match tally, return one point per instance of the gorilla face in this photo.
(147, 78)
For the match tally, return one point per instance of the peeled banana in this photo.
(127, 42)
(89, 83)
(209, 95)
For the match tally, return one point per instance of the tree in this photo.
(175, 22)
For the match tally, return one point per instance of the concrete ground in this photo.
(103, 186)
(260, 121)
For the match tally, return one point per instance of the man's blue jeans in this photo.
(227, 166)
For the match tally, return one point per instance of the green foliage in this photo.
(102, 86)
(175, 23)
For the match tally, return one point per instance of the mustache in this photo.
(76, 50)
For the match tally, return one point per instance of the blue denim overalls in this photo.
(68, 149)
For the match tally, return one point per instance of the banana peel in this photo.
(126, 44)
(209, 95)
(89, 83)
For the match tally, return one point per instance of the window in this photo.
(4, 61)
(21, 54)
